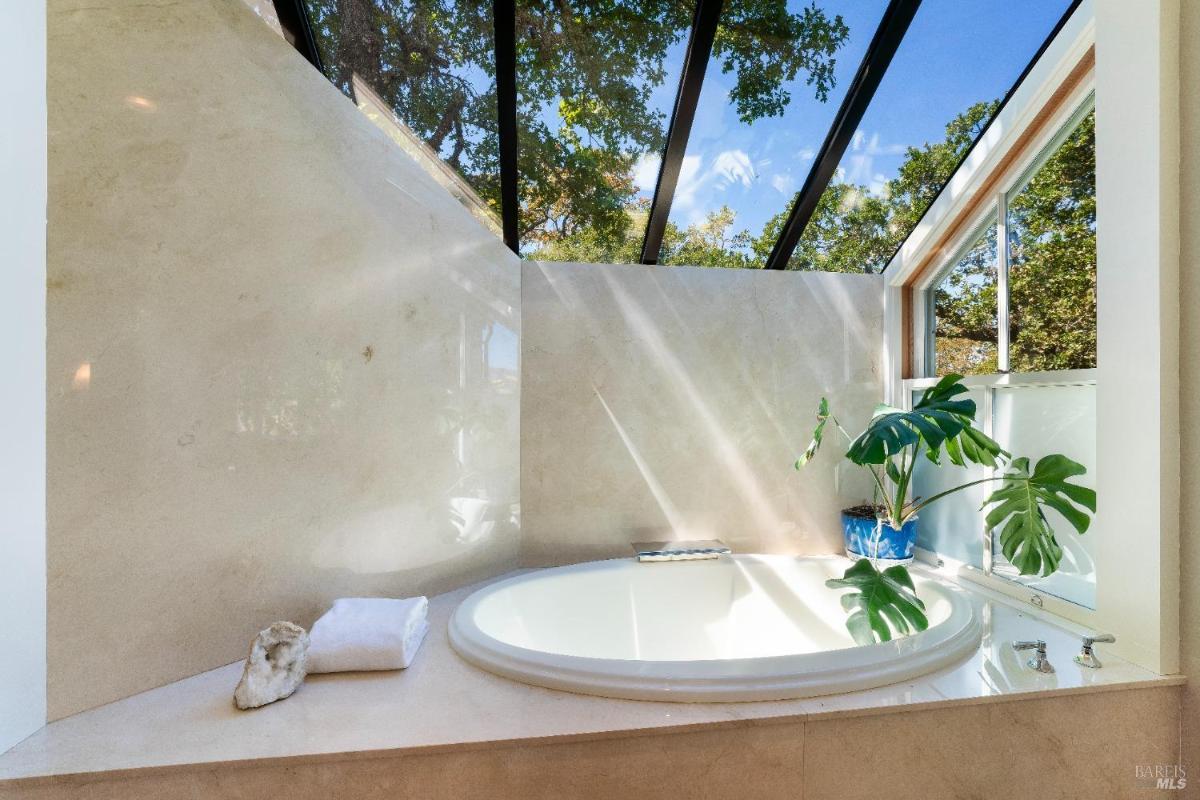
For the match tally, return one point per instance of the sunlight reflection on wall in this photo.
(668, 403)
(302, 369)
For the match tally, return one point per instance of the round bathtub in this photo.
(743, 627)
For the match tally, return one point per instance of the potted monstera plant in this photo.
(941, 427)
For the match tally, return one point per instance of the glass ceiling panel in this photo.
(778, 74)
(432, 64)
(596, 83)
(954, 66)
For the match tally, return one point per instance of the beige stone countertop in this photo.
(443, 702)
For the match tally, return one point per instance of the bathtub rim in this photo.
(785, 677)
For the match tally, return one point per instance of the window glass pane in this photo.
(771, 91)
(1036, 421)
(1052, 259)
(432, 65)
(965, 308)
(943, 86)
(596, 83)
(952, 527)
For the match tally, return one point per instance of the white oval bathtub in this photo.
(744, 627)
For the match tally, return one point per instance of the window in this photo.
(1043, 281)
(1035, 420)
(1031, 175)
(1031, 417)
(432, 66)
(595, 87)
(1014, 309)
(1051, 226)
(757, 131)
(965, 337)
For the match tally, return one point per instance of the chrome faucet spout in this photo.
(1039, 661)
(1086, 657)
(680, 550)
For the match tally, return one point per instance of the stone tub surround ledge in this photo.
(464, 729)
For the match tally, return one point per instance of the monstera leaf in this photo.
(1026, 538)
(938, 419)
(884, 605)
(818, 433)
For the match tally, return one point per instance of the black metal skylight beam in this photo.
(883, 46)
(504, 21)
(695, 64)
(297, 29)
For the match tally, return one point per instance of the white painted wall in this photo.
(23, 359)
(1137, 243)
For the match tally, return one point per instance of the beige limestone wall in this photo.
(282, 363)
(1189, 374)
(671, 402)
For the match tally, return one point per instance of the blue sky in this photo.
(956, 52)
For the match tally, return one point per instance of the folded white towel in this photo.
(367, 633)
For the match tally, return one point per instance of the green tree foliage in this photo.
(1052, 274)
(432, 61)
(1052, 262)
(585, 73)
(849, 231)
(854, 230)
(965, 305)
(711, 243)
(927, 168)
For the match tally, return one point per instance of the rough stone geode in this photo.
(275, 667)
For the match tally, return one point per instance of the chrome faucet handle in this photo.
(1039, 662)
(1086, 657)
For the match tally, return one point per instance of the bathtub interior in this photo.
(727, 608)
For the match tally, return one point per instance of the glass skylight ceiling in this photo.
(746, 160)
(595, 90)
(599, 85)
(433, 64)
(957, 62)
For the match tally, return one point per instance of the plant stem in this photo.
(882, 491)
(838, 425)
(906, 469)
(940, 495)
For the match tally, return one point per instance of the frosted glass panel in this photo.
(952, 527)
(1036, 421)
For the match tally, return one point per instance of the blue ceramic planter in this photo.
(894, 545)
